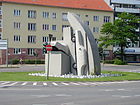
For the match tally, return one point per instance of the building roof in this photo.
(79, 4)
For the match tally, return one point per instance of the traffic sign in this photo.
(49, 47)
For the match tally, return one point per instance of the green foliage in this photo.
(28, 61)
(119, 62)
(40, 62)
(120, 31)
(15, 61)
(109, 61)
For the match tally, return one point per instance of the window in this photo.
(16, 25)
(53, 38)
(17, 51)
(16, 12)
(45, 14)
(32, 26)
(45, 26)
(53, 15)
(63, 26)
(106, 19)
(31, 51)
(0, 23)
(0, 10)
(96, 29)
(54, 27)
(16, 38)
(0, 36)
(87, 23)
(95, 18)
(31, 14)
(45, 39)
(31, 39)
(64, 16)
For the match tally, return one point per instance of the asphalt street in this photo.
(126, 93)
(24, 68)
(69, 93)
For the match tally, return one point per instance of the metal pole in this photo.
(50, 36)
(48, 65)
(7, 54)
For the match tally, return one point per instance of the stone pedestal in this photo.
(59, 63)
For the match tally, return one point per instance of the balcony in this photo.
(132, 2)
(129, 10)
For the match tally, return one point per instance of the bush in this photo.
(119, 62)
(40, 62)
(15, 61)
(109, 61)
(28, 61)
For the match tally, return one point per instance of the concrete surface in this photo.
(108, 94)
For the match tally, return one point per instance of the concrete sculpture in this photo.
(79, 48)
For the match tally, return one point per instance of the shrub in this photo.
(109, 61)
(15, 61)
(119, 62)
(40, 62)
(28, 61)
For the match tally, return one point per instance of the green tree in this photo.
(119, 32)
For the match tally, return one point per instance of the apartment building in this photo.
(130, 6)
(26, 24)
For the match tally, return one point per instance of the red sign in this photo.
(49, 48)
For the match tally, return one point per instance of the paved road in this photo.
(5, 84)
(22, 68)
(125, 93)
(126, 68)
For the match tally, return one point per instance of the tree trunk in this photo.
(122, 53)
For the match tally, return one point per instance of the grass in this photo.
(23, 76)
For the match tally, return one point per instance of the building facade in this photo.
(27, 24)
(130, 6)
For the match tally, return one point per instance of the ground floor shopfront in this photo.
(132, 58)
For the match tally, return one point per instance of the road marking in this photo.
(69, 103)
(137, 95)
(45, 84)
(121, 89)
(63, 95)
(108, 90)
(116, 95)
(35, 83)
(40, 96)
(24, 83)
(125, 96)
(83, 83)
(75, 83)
(64, 83)
(5, 83)
(55, 84)
(12, 84)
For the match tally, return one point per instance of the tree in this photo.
(119, 32)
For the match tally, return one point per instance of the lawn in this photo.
(23, 76)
